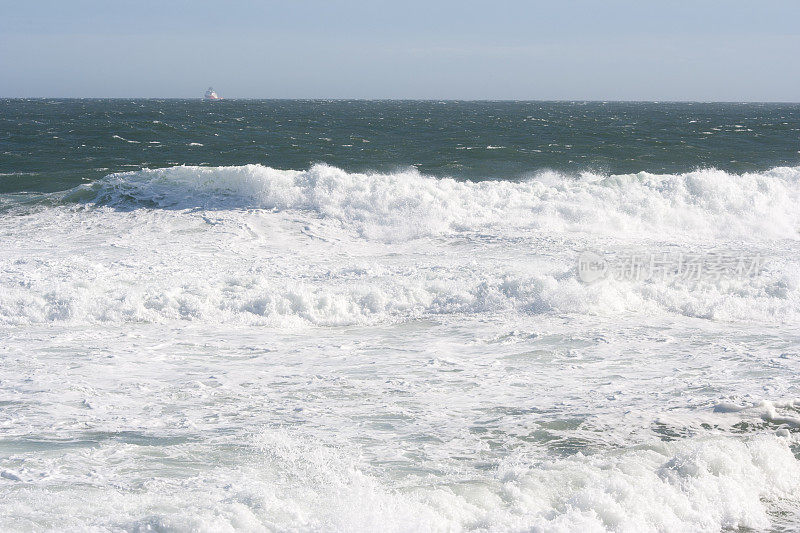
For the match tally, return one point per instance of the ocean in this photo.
(250, 315)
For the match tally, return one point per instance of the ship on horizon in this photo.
(211, 95)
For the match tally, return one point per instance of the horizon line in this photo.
(338, 99)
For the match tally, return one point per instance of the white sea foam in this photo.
(286, 482)
(173, 357)
(704, 203)
(255, 245)
(95, 293)
(124, 139)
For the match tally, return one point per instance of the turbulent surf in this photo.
(216, 338)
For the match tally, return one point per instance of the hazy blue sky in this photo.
(701, 50)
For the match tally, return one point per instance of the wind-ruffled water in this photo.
(370, 316)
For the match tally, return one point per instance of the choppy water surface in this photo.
(368, 316)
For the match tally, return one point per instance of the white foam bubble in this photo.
(704, 203)
(300, 262)
(286, 481)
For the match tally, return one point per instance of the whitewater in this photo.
(226, 348)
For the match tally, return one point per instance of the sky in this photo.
(720, 50)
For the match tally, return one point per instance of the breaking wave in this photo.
(399, 206)
(324, 247)
(87, 293)
(709, 485)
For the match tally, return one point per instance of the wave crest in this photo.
(404, 205)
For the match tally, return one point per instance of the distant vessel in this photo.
(211, 95)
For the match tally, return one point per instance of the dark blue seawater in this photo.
(49, 145)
